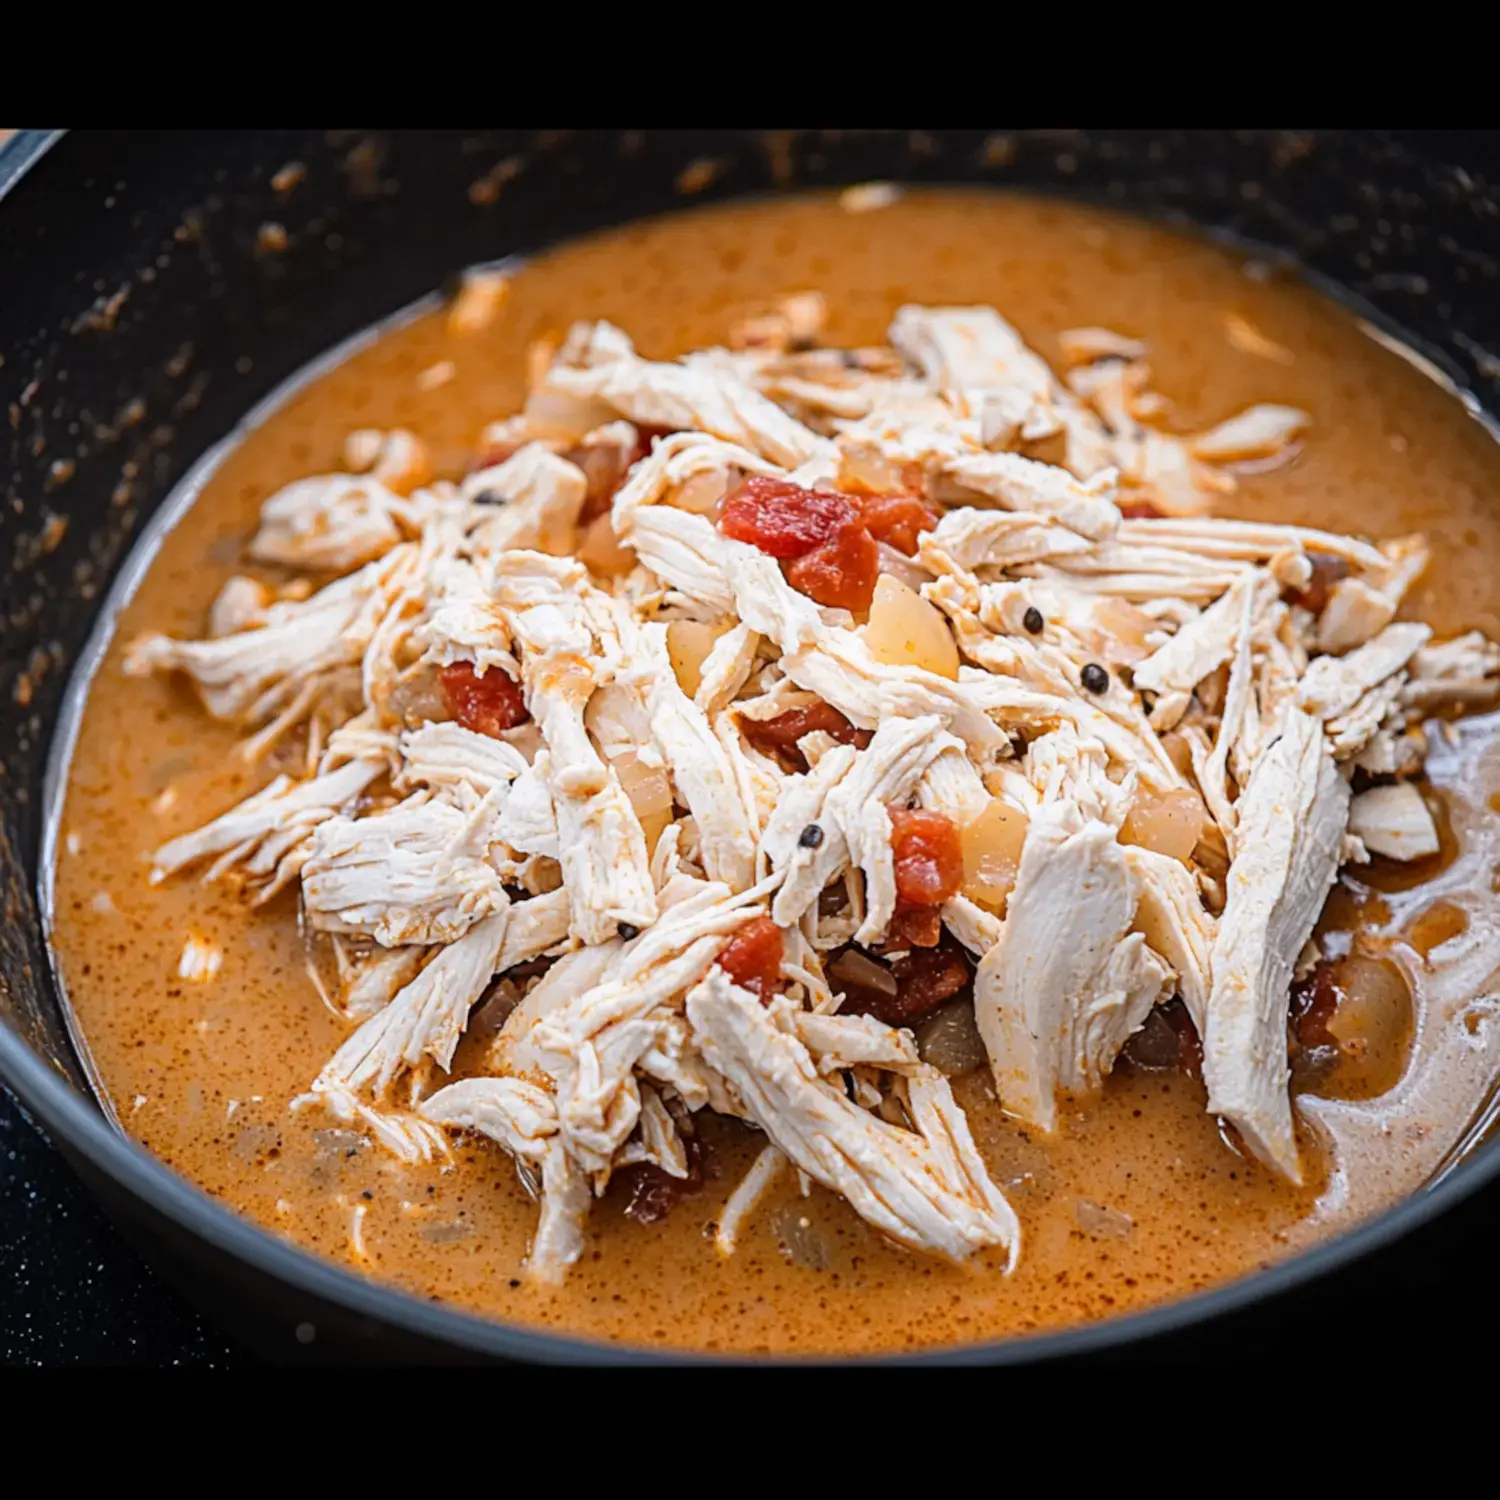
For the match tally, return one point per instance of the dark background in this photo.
(72, 1291)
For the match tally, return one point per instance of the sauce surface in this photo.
(1137, 1199)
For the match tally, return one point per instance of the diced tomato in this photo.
(1139, 510)
(1167, 1041)
(1189, 1043)
(1327, 570)
(784, 520)
(1312, 1049)
(842, 572)
(651, 1194)
(914, 927)
(605, 467)
(929, 864)
(819, 535)
(1313, 1003)
(488, 704)
(925, 978)
(752, 957)
(929, 856)
(783, 732)
(897, 520)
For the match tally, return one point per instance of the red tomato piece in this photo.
(488, 704)
(651, 1194)
(928, 854)
(752, 957)
(914, 927)
(842, 572)
(784, 520)
(925, 978)
(1189, 1043)
(897, 520)
(782, 733)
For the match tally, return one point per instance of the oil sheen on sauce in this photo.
(1138, 1199)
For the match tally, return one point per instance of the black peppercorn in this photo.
(811, 836)
(1033, 620)
(1094, 677)
(628, 930)
(491, 497)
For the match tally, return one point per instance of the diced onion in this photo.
(416, 699)
(703, 493)
(688, 645)
(601, 552)
(1170, 824)
(853, 968)
(992, 853)
(905, 630)
(650, 791)
(949, 1039)
(1174, 742)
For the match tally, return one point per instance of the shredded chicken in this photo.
(1292, 818)
(926, 1187)
(1059, 994)
(503, 767)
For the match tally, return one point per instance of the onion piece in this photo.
(949, 1039)
(1170, 824)
(992, 845)
(703, 494)
(854, 968)
(688, 645)
(601, 551)
(899, 565)
(905, 630)
(650, 791)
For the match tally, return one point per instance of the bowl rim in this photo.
(81, 1125)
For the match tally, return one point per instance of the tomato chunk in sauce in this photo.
(782, 733)
(929, 856)
(488, 704)
(842, 572)
(818, 535)
(925, 978)
(1167, 1040)
(606, 466)
(652, 1193)
(913, 927)
(897, 520)
(752, 957)
(783, 519)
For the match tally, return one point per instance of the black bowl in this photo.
(133, 271)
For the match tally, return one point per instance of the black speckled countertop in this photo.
(72, 1290)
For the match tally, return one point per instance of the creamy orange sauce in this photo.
(1138, 1199)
